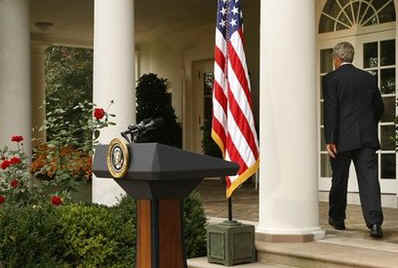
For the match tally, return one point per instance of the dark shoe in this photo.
(338, 225)
(376, 231)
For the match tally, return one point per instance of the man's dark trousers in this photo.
(366, 167)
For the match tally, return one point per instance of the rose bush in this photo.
(17, 187)
(66, 157)
(62, 162)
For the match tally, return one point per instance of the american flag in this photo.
(233, 127)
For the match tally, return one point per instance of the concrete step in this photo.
(332, 252)
(202, 263)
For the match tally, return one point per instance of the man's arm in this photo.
(378, 102)
(330, 109)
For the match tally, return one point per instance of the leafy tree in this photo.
(69, 79)
(153, 101)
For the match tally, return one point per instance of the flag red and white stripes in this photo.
(233, 126)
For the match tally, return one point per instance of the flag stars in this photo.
(233, 22)
(223, 11)
(235, 10)
(222, 23)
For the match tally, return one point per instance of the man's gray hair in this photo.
(344, 51)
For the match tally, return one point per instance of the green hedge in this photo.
(84, 235)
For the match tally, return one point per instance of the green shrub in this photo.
(194, 227)
(84, 235)
(29, 237)
(97, 235)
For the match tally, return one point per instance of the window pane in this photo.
(387, 14)
(340, 26)
(387, 50)
(375, 73)
(320, 87)
(326, 60)
(388, 166)
(326, 169)
(370, 55)
(342, 2)
(389, 109)
(387, 138)
(387, 82)
(349, 13)
(331, 8)
(322, 113)
(343, 18)
(323, 145)
(378, 3)
(208, 79)
(372, 21)
(369, 14)
(326, 24)
(356, 7)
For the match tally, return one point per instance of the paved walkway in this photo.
(245, 207)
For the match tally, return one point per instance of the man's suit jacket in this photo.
(353, 107)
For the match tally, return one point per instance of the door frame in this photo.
(198, 68)
(387, 186)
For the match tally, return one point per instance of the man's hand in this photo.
(331, 150)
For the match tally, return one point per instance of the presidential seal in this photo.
(117, 158)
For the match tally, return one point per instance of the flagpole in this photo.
(230, 208)
(226, 76)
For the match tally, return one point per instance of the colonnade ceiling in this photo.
(72, 20)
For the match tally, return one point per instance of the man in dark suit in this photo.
(353, 108)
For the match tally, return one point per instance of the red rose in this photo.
(2, 199)
(5, 164)
(17, 138)
(99, 113)
(15, 160)
(56, 200)
(14, 183)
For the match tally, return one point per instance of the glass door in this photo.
(375, 54)
(325, 66)
(379, 59)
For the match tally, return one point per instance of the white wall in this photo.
(167, 62)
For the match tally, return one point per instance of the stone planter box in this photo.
(230, 243)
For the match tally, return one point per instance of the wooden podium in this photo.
(159, 177)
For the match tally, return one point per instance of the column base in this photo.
(106, 191)
(298, 236)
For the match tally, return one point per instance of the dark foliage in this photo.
(84, 235)
(153, 101)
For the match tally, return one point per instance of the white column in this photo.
(288, 127)
(15, 84)
(114, 77)
(38, 89)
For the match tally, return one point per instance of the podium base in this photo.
(159, 234)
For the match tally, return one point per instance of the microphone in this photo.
(152, 124)
(141, 128)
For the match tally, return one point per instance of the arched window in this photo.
(344, 14)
